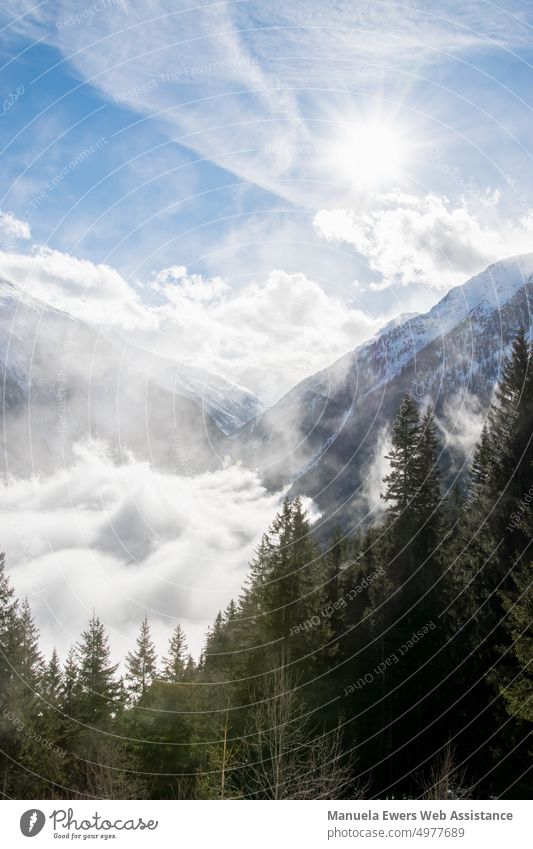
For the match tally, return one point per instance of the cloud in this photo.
(460, 423)
(175, 283)
(96, 293)
(379, 466)
(12, 227)
(128, 540)
(408, 239)
(265, 335)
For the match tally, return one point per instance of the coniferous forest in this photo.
(393, 663)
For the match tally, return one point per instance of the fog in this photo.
(126, 540)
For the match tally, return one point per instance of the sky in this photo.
(255, 187)
(379, 152)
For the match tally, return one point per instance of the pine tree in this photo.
(45, 745)
(96, 688)
(403, 482)
(9, 613)
(141, 665)
(404, 599)
(9, 643)
(429, 494)
(510, 423)
(70, 682)
(481, 464)
(514, 677)
(53, 677)
(31, 665)
(175, 664)
(290, 589)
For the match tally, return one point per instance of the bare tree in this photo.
(109, 774)
(446, 781)
(287, 758)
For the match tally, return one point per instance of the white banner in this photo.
(272, 825)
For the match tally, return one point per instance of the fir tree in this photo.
(45, 748)
(402, 483)
(175, 663)
(514, 676)
(30, 664)
(70, 681)
(141, 665)
(9, 614)
(481, 464)
(429, 494)
(96, 686)
(510, 419)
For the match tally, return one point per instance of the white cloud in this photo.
(461, 422)
(266, 336)
(128, 540)
(379, 466)
(408, 239)
(176, 284)
(97, 294)
(12, 227)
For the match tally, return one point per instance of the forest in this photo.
(393, 662)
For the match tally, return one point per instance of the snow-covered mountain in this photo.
(64, 382)
(322, 435)
(229, 405)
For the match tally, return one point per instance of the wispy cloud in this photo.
(12, 228)
(230, 80)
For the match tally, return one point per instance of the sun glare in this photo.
(368, 155)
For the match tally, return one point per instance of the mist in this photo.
(127, 540)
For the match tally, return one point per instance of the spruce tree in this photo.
(429, 494)
(141, 665)
(46, 747)
(9, 632)
(514, 676)
(9, 644)
(481, 464)
(403, 481)
(70, 681)
(96, 687)
(175, 663)
(30, 663)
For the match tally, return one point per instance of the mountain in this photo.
(322, 436)
(63, 382)
(229, 405)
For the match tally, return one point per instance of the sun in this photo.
(368, 155)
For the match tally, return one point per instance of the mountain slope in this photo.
(323, 434)
(64, 382)
(229, 405)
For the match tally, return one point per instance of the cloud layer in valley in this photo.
(125, 540)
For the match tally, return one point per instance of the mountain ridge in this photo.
(317, 434)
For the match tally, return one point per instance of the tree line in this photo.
(391, 662)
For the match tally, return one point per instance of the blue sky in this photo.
(249, 187)
(378, 151)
